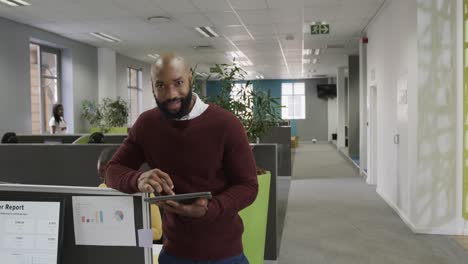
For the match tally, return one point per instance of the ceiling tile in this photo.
(261, 29)
(192, 20)
(286, 15)
(176, 6)
(255, 16)
(223, 18)
(285, 3)
(248, 4)
(212, 5)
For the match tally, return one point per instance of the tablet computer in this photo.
(186, 198)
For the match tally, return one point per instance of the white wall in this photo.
(332, 117)
(106, 73)
(15, 99)
(421, 37)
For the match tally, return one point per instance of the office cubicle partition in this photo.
(68, 165)
(66, 139)
(41, 139)
(75, 165)
(71, 253)
(281, 135)
(266, 158)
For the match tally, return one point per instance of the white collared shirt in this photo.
(198, 108)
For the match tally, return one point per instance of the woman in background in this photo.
(57, 123)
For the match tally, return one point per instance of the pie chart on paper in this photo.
(119, 216)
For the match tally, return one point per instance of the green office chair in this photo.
(255, 222)
(82, 140)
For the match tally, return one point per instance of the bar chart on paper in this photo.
(98, 218)
(104, 221)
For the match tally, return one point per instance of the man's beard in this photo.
(184, 106)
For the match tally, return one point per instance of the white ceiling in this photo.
(236, 21)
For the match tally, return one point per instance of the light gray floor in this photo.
(333, 217)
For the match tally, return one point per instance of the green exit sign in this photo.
(320, 29)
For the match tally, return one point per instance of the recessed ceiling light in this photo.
(105, 37)
(207, 32)
(307, 52)
(154, 56)
(15, 2)
(159, 19)
(317, 52)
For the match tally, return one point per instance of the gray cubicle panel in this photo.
(40, 139)
(68, 165)
(266, 158)
(71, 253)
(114, 138)
(282, 136)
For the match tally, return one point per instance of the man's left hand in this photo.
(196, 210)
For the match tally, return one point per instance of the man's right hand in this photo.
(155, 181)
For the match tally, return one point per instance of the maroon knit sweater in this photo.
(208, 153)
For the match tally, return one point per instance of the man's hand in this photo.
(195, 210)
(155, 181)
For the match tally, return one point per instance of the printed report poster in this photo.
(29, 232)
(104, 221)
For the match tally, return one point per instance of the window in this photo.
(45, 65)
(293, 100)
(134, 83)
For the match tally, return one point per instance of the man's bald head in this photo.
(168, 62)
(171, 80)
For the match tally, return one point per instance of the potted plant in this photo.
(258, 111)
(109, 116)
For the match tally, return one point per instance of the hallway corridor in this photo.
(334, 217)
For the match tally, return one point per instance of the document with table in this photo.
(29, 232)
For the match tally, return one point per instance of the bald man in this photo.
(191, 147)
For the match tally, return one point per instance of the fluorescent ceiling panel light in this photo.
(314, 61)
(8, 3)
(212, 32)
(237, 54)
(317, 52)
(240, 54)
(307, 52)
(207, 32)
(106, 37)
(202, 32)
(154, 56)
(15, 2)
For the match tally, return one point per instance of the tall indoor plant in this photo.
(109, 116)
(257, 109)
